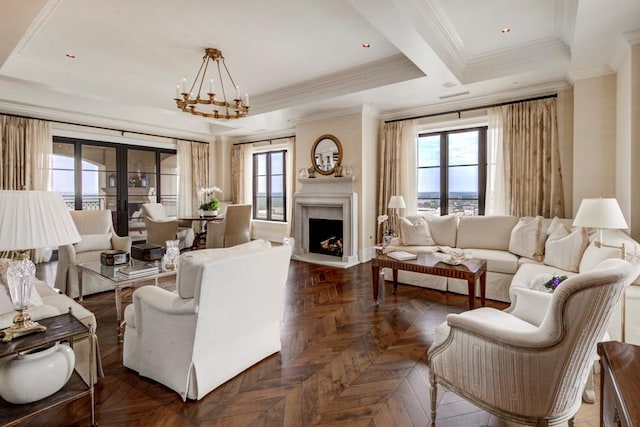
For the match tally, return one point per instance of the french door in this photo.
(100, 175)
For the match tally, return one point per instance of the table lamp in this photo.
(30, 220)
(604, 213)
(396, 203)
(601, 213)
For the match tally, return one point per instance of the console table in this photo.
(619, 384)
(64, 327)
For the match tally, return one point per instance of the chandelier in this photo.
(221, 108)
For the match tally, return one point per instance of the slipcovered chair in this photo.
(529, 364)
(233, 230)
(223, 318)
(97, 234)
(161, 227)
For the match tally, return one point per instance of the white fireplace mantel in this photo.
(326, 198)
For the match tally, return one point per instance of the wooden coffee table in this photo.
(471, 270)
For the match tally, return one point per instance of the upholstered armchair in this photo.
(161, 227)
(233, 230)
(223, 318)
(97, 234)
(529, 363)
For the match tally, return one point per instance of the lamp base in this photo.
(22, 325)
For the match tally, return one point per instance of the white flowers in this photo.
(382, 218)
(208, 193)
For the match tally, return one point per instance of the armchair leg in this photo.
(434, 397)
(571, 421)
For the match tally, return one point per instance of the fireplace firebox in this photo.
(325, 236)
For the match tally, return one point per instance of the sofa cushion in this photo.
(497, 261)
(415, 232)
(443, 229)
(485, 232)
(527, 238)
(190, 263)
(93, 242)
(564, 248)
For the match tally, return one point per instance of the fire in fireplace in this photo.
(325, 236)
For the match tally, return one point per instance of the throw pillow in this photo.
(416, 233)
(564, 248)
(526, 238)
(94, 242)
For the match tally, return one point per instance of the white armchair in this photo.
(161, 227)
(529, 363)
(224, 317)
(96, 230)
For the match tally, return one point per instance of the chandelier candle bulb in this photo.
(184, 85)
(237, 92)
(211, 86)
(246, 99)
(177, 90)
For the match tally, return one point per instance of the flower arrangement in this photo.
(387, 233)
(554, 282)
(208, 198)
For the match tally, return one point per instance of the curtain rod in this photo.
(265, 140)
(122, 132)
(482, 107)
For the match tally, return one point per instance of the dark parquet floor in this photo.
(343, 361)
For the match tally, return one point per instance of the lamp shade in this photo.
(600, 213)
(34, 219)
(396, 202)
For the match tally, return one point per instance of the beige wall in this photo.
(628, 138)
(594, 136)
(369, 176)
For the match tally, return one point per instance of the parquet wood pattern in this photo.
(343, 361)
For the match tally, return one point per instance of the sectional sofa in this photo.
(517, 250)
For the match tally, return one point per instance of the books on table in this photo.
(402, 255)
(138, 270)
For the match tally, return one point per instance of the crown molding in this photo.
(564, 20)
(632, 37)
(330, 114)
(394, 69)
(519, 59)
(37, 23)
(589, 72)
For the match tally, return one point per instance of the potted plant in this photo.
(209, 202)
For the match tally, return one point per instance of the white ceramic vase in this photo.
(32, 376)
(210, 213)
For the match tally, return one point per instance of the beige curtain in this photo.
(496, 196)
(238, 169)
(200, 170)
(530, 147)
(397, 168)
(291, 175)
(193, 161)
(25, 160)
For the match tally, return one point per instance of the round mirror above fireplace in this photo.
(326, 154)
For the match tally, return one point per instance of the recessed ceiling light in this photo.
(506, 30)
(366, 45)
(70, 56)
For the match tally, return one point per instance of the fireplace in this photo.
(333, 203)
(325, 236)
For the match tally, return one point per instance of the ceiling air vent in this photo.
(466, 92)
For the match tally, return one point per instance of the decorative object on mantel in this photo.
(326, 154)
(337, 171)
(303, 173)
(188, 101)
(30, 220)
(209, 202)
(311, 172)
(347, 171)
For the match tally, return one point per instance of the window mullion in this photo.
(444, 174)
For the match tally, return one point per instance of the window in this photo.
(452, 172)
(269, 186)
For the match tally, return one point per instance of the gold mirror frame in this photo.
(324, 144)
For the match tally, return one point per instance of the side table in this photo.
(64, 327)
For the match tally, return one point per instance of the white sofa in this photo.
(224, 317)
(490, 238)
